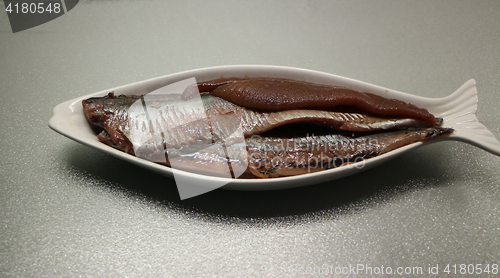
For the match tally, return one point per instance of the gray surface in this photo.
(68, 210)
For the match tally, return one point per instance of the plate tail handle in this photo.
(458, 111)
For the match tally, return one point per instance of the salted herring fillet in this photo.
(271, 157)
(111, 113)
(174, 123)
(278, 94)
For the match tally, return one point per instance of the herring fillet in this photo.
(267, 157)
(280, 94)
(271, 157)
(110, 113)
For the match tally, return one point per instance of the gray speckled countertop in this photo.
(68, 210)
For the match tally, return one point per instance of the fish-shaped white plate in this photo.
(458, 111)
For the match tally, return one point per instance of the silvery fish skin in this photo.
(271, 157)
(187, 126)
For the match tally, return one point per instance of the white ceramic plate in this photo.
(457, 110)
